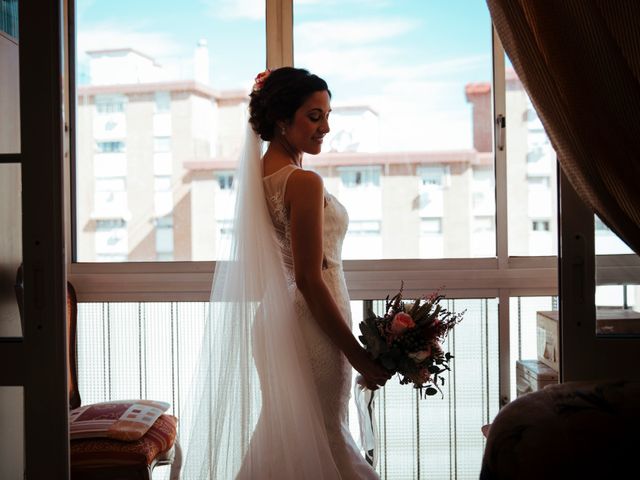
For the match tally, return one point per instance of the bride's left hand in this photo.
(363, 382)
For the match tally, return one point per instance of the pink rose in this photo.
(259, 80)
(401, 323)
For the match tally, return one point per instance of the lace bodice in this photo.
(336, 221)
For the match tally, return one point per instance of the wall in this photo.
(11, 412)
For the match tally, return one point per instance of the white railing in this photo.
(149, 350)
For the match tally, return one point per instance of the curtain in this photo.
(580, 64)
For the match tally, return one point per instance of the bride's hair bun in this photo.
(280, 95)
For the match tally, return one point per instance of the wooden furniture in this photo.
(533, 375)
(106, 458)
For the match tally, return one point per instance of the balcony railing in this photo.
(149, 350)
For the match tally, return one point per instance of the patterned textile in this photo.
(104, 452)
(126, 420)
(566, 431)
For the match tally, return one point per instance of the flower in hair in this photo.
(260, 78)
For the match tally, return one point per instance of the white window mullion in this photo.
(279, 33)
(504, 347)
(499, 108)
(502, 225)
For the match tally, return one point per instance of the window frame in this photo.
(499, 277)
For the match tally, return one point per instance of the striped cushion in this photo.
(125, 420)
(105, 452)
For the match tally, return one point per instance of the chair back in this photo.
(72, 320)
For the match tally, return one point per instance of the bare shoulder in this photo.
(305, 178)
(304, 184)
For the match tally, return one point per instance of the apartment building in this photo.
(156, 163)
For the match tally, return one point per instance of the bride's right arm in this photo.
(305, 194)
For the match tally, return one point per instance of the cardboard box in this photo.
(547, 339)
(533, 375)
(609, 321)
(617, 321)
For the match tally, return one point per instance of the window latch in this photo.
(501, 123)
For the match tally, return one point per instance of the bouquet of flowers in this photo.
(408, 339)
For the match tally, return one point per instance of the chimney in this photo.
(479, 96)
(201, 62)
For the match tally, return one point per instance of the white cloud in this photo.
(368, 3)
(361, 49)
(235, 9)
(380, 63)
(111, 36)
(348, 49)
(445, 67)
(340, 33)
(175, 58)
(420, 115)
(255, 9)
(351, 64)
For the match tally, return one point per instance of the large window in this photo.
(417, 86)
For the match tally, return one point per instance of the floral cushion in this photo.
(106, 452)
(125, 420)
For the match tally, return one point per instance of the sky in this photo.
(408, 59)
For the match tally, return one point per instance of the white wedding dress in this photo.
(331, 371)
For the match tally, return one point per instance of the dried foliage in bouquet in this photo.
(408, 338)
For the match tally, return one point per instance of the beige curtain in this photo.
(580, 63)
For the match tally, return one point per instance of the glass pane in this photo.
(10, 247)
(529, 372)
(12, 433)
(617, 284)
(607, 242)
(531, 175)
(410, 148)
(160, 112)
(9, 78)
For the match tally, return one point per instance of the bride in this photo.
(274, 375)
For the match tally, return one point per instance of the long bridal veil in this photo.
(256, 413)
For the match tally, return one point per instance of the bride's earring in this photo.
(282, 131)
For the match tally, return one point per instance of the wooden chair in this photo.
(104, 458)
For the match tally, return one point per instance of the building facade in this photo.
(156, 161)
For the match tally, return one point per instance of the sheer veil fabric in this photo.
(256, 412)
